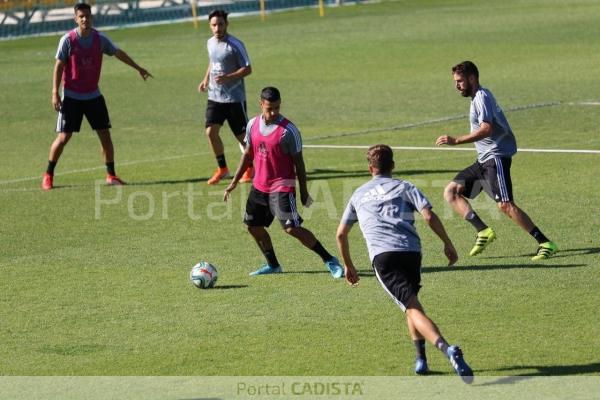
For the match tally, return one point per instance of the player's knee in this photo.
(291, 230)
(104, 134)
(62, 139)
(212, 132)
(451, 192)
(414, 304)
(506, 207)
(253, 230)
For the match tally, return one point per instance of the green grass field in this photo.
(94, 279)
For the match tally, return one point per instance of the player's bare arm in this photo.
(203, 86)
(235, 75)
(344, 249)
(124, 57)
(434, 222)
(485, 130)
(301, 175)
(59, 66)
(245, 162)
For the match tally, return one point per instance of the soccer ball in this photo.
(204, 275)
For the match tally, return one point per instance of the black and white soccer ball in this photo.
(204, 275)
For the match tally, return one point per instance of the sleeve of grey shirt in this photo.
(349, 217)
(291, 142)
(64, 48)
(249, 132)
(107, 45)
(417, 198)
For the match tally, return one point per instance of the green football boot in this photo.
(484, 238)
(545, 250)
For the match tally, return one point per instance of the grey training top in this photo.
(226, 56)
(502, 142)
(291, 141)
(64, 51)
(384, 208)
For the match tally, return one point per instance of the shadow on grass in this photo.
(577, 252)
(543, 370)
(167, 182)
(490, 267)
(365, 272)
(562, 253)
(226, 287)
(456, 268)
(324, 271)
(59, 187)
(435, 373)
(129, 183)
(330, 173)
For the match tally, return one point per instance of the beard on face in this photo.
(466, 92)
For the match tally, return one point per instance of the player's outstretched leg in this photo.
(459, 364)
(263, 240)
(429, 330)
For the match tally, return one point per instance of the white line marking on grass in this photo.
(333, 146)
(76, 171)
(393, 128)
(586, 103)
(427, 122)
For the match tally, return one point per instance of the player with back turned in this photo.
(384, 208)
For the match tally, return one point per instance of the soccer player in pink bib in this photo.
(274, 145)
(78, 65)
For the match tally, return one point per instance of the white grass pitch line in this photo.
(393, 128)
(428, 122)
(586, 103)
(333, 146)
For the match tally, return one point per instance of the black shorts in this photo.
(399, 273)
(493, 177)
(234, 113)
(262, 208)
(72, 111)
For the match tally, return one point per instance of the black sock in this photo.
(271, 258)
(420, 347)
(110, 168)
(50, 169)
(320, 250)
(538, 235)
(221, 161)
(442, 345)
(474, 220)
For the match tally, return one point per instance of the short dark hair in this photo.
(82, 6)
(218, 13)
(270, 93)
(466, 68)
(381, 157)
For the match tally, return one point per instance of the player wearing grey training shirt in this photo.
(495, 144)
(384, 208)
(224, 81)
